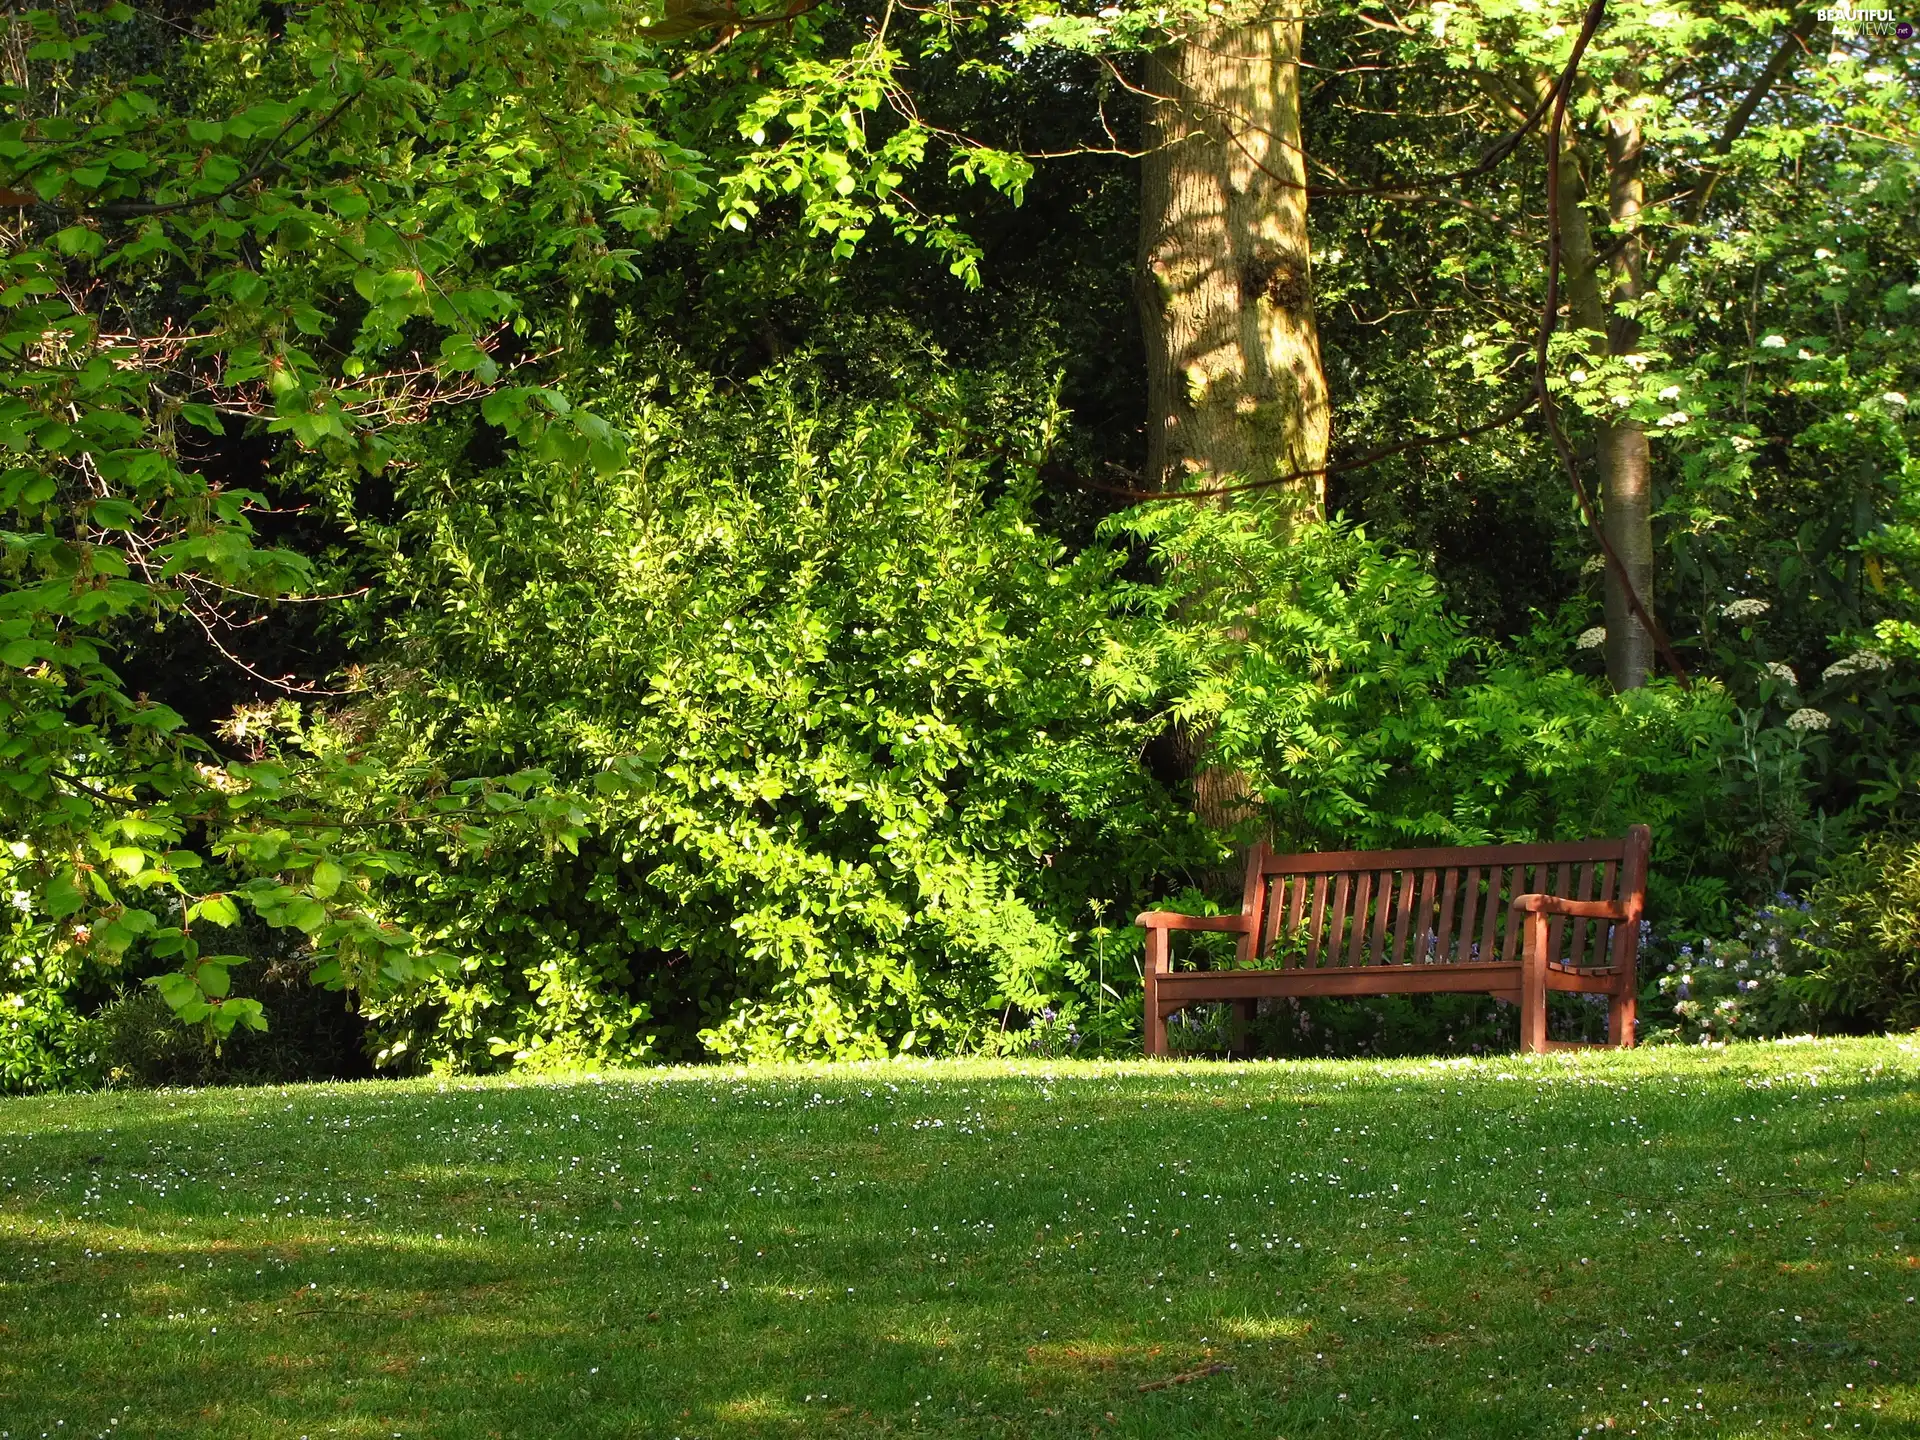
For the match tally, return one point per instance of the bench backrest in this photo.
(1435, 907)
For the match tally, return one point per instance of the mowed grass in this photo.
(1661, 1243)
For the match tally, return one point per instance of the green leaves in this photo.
(814, 714)
(202, 995)
(217, 909)
(1327, 670)
(313, 223)
(845, 183)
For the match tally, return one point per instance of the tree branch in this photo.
(1791, 47)
(271, 159)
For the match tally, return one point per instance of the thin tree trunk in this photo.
(1625, 460)
(1626, 494)
(1235, 385)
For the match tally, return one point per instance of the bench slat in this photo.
(1382, 905)
(1363, 899)
(1422, 889)
(1470, 915)
(1490, 931)
(1337, 923)
(1443, 936)
(1276, 913)
(1511, 928)
(1602, 937)
(1296, 903)
(1403, 915)
(1557, 925)
(1314, 926)
(1582, 890)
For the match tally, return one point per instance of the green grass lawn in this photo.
(1668, 1242)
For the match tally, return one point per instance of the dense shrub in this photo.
(47, 1041)
(1869, 907)
(1847, 958)
(1360, 713)
(63, 1029)
(311, 1035)
(822, 691)
(1751, 986)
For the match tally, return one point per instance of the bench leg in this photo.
(1620, 1018)
(1533, 986)
(1153, 1025)
(1243, 1015)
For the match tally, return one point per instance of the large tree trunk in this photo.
(1235, 385)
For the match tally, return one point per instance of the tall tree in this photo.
(1236, 388)
(1236, 392)
(1610, 277)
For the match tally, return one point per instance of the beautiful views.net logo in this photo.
(1845, 19)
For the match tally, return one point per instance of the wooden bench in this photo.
(1514, 921)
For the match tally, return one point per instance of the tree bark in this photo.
(1625, 460)
(1235, 385)
(1596, 290)
(1235, 388)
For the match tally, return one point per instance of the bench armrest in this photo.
(1583, 909)
(1171, 920)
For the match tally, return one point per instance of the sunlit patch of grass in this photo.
(1270, 1329)
(760, 1409)
(1682, 1242)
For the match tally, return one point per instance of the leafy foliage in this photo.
(824, 702)
(1869, 903)
(765, 685)
(1754, 985)
(192, 229)
(1364, 714)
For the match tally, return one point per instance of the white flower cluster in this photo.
(1782, 672)
(1745, 609)
(1592, 639)
(1857, 663)
(1677, 417)
(1806, 718)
